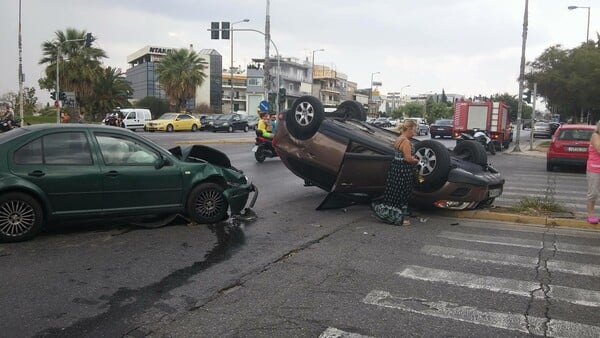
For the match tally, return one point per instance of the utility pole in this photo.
(21, 75)
(532, 114)
(521, 75)
(56, 103)
(267, 75)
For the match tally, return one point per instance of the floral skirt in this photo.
(398, 187)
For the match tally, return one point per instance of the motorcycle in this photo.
(481, 137)
(5, 125)
(263, 148)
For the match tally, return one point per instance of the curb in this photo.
(523, 219)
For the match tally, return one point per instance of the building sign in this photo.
(159, 50)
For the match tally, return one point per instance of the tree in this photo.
(78, 65)
(568, 79)
(29, 100)
(412, 109)
(110, 90)
(179, 73)
(157, 106)
(440, 110)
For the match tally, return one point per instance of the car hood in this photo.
(161, 121)
(197, 153)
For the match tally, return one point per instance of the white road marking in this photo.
(531, 228)
(507, 321)
(502, 285)
(332, 332)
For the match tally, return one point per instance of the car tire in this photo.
(21, 217)
(207, 203)
(492, 147)
(194, 128)
(246, 129)
(351, 110)
(549, 166)
(169, 128)
(471, 151)
(259, 155)
(305, 117)
(145, 128)
(486, 203)
(230, 129)
(434, 159)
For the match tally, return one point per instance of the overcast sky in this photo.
(467, 47)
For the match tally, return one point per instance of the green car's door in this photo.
(61, 165)
(131, 180)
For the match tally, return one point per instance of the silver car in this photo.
(542, 129)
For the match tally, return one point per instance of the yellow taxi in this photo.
(173, 122)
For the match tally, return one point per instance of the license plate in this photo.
(577, 149)
(495, 192)
(254, 149)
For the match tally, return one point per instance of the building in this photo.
(141, 73)
(142, 76)
(331, 86)
(239, 91)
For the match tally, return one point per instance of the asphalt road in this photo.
(295, 271)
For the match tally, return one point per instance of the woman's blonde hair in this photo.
(406, 125)
(598, 127)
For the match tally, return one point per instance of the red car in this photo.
(569, 146)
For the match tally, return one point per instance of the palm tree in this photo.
(78, 64)
(110, 90)
(179, 73)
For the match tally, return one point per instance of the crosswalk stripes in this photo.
(567, 189)
(530, 289)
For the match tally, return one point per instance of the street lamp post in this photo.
(401, 92)
(587, 34)
(231, 65)
(312, 70)
(371, 92)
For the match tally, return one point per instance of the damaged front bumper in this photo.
(238, 197)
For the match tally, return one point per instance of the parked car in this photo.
(542, 129)
(54, 172)
(229, 123)
(569, 146)
(343, 155)
(252, 120)
(207, 121)
(170, 122)
(422, 128)
(382, 122)
(135, 118)
(441, 128)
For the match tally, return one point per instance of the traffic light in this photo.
(225, 30)
(89, 39)
(214, 30)
(53, 95)
(62, 96)
(527, 95)
(282, 93)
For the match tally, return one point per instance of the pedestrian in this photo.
(593, 174)
(393, 207)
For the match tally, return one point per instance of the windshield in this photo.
(168, 116)
(224, 117)
(443, 122)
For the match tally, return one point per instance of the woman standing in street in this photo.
(593, 174)
(399, 183)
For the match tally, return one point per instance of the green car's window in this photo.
(125, 151)
(65, 148)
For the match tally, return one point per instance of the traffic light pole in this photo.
(56, 103)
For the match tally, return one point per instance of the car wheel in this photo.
(169, 128)
(246, 129)
(434, 160)
(230, 129)
(305, 117)
(20, 217)
(492, 147)
(486, 203)
(471, 151)
(145, 128)
(194, 128)
(549, 166)
(351, 110)
(259, 155)
(207, 204)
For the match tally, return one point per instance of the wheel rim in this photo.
(304, 114)
(427, 160)
(209, 203)
(16, 218)
(169, 128)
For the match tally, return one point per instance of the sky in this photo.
(467, 47)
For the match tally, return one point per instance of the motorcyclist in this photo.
(265, 126)
(483, 136)
(10, 117)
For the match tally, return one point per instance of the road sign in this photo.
(263, 106)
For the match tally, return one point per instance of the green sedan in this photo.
(54, 172)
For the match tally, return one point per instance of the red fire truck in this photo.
(493, 117)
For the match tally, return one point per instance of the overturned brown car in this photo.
(343, 155)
